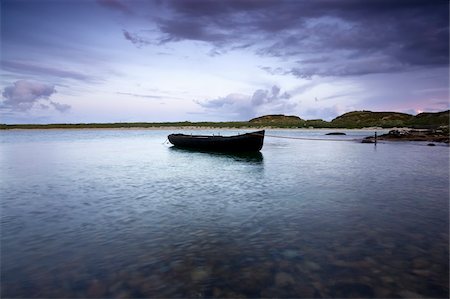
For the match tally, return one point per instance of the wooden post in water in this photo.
(375, 137)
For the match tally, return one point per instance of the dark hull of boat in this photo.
(249, 142)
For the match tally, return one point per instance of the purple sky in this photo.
(67, 61)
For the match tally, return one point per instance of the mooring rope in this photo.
(306, 138)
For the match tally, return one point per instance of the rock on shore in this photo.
(432, 135)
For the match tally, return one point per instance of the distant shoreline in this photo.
(350, 120)
(199, 128)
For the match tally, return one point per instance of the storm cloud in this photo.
(115, 4)
(357, 37)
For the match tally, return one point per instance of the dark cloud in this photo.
(243, 107)
(405, 34)
(137, 40)
(177, 30)
(339, 68)
(34, 69)
(355, 67)
(24, 95)
(116, 5)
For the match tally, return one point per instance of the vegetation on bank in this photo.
(350, 120)
(128, 125)
(359, 119)
(277, 119)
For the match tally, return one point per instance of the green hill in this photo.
(430, 119)
(361, 119)
(278, 120)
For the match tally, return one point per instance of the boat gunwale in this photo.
(256, 133)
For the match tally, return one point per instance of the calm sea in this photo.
(117, 213)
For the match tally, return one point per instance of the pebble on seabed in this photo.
(199, 274)
(290, 253)
(96, 289)
(283, 279)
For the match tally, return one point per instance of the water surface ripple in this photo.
(115, 213)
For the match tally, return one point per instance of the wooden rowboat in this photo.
(249, 142)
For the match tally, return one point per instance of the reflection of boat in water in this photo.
(243, 143)
(255, 157)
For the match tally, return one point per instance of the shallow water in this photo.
(116, 213)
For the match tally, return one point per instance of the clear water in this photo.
(116, 213)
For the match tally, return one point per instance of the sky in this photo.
(85, 61)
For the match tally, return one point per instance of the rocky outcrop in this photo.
(430, 135)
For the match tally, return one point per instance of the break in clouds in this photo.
(244, 107)
(23, 95)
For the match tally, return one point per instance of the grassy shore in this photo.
(350, 120)
(163, 125)
(168, 126)
(173, 126)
